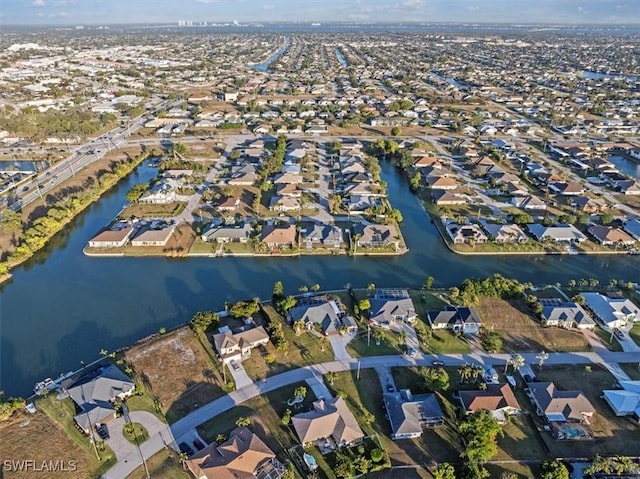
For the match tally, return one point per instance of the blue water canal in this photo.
(64, 307)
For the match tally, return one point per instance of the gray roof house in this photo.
(559, 234)
(613, 312)
(409, 414)
(326, 314)
(227, 234)
(508, 233)
(566, 314)
(95, 394)
(633, 228)
(465, 320)
(326, 235)
(560, 406)
(387, 307)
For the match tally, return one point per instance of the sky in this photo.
(100, 12)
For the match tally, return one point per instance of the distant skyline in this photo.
(102, 12)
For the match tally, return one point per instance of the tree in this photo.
(554, 470)
(444, 471)
(286, 418)
(315, 287)
(435, 379)
(179, 149)
(364, 304)
(480, 431)
(245, 309)
(491, 341)
(606, 218)
(371, 288)
(202, 320)
(11, 221)
(396, 131)
(303, 289)
(278, 290)
(300, 392)
(516, 361)
(428, 283)
(220, 438)
(243, 421)
(542, 356)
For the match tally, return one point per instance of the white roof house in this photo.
(625, 401)
(612, 312)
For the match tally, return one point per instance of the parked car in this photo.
(412, 352)
(185, 448)
(390, 388)
(619, 334)
(437, 362)
(235, 366)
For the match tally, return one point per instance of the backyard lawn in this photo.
(632, 370)
(521, 332)
(609, 340)
(635, 333)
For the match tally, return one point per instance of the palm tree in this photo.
(323, 342)
(587, 370)
(516, 361)
(476, 372)
(465, 372)
(331, 377)
(542, 356)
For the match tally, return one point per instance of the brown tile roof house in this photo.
(442, 183)
(497, 398)
(330, 418)
(372, 236)
(423, 161)
(277, 237)
(111, 238)
(608, 236)
(560, 406)
(243, 456)
(237, 346)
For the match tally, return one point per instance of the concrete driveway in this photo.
(240, 376)
(339, 345)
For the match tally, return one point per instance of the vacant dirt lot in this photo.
(36, 437)
(177, 371)
(520, 331)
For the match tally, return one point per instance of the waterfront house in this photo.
(448, 197)
(566, 314)
(624, 401)
(560, 406)
(112, 238)
(330, 423)
(276, 238)
(325, 235)
(442, 183)
(389, 306)
(244, 455)
(496, 398)
(633, 228)
(507, 233)
(458, 319)
(153, 236)
(612, 310)
(609, 236)
(557, 234)
(318, 312)
(376, 236)
(466, 233)
(95, 392)
(236, 346)
(409, 414)
(227, 234)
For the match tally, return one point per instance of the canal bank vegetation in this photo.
(59, 210)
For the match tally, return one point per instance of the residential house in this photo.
(325, 235)
(424, 161)
(318, 312)
(228, 204)
(496, 398)
(284, 203)
(566, 314)
(626, 400)
(633, 228)
(528, 202)
(588, 205)
(244, 455)
(557, 234)
(153, 236)
(566, 188)
(507, 233)
(442, 183)
(560, 406)
(608, 236)
(95, 393)
(329, 421)
(629, 187)
(227, 234)
(389, 306)
(458, 319)
(467, 233)
(111, 238)
(375, 236)
(409, 414)
(162, 195)
(289, 189)
(448, 197)
(236, 346)
(291, 178)
(612, 310)
(275, 237)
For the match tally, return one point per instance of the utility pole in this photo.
(368, 335)
(358, 373)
